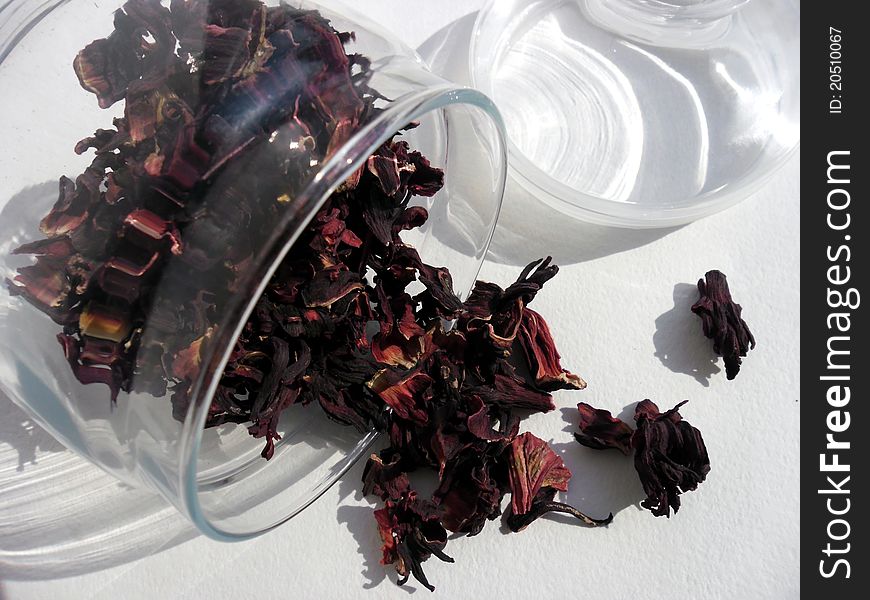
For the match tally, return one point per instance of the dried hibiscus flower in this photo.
(411, 532)
(722, 322)
(457, 398)
(670, 455)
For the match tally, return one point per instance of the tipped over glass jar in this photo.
(236, 157)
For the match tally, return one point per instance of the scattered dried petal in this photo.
(536, 473)
(600, 430)
(533, 465)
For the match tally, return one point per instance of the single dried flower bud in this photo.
(670, 457)
(411, 532)
(720, 316)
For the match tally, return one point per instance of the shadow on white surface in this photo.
(528, 228)
(360, 522)
(679, 339)
(25, 437)
(61, 516)
(603, 481)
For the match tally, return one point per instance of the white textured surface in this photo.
(619, 312)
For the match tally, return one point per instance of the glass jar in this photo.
(187, 246)
(642, 113)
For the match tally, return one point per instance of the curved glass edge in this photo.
(340, 166)
(18, 17)
(635, 219)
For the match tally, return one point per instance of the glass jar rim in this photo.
(333, 173)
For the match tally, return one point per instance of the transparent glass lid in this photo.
(642, 113)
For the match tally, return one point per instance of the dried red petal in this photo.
(543, 358)
(70, 210)
(511, 392)
(384, 476)
(425, 180)
(412, 218)
(480, 421)
(141, 115)
(97, 75)
(187, 362)
(149, 224)
(600, 430)
(439, 284)
(396, 350)
(87, 374)
(533, 466)
(189, 162)
(536, 473)
(339, 409)
(43, 285)
(109, 67)
(266, 425)
(472, 492)
(105, 322)
(405, 394)
(56, 247)
(384, 165)
(400, 341)
(329, 286)
(225, 53)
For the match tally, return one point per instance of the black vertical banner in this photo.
(835, 226)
